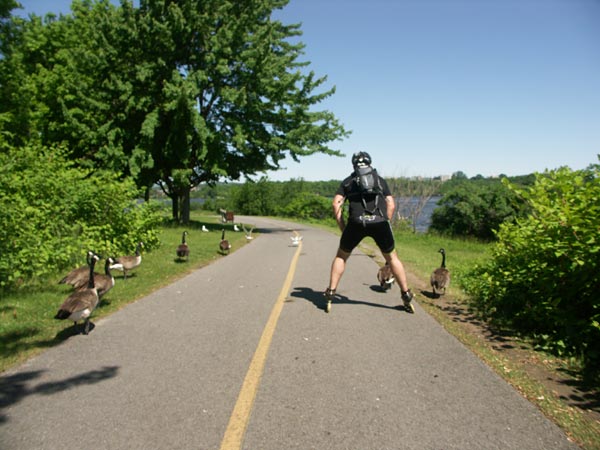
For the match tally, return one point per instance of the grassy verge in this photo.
(27, 324)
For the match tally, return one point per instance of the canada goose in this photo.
(127, 263)
(296, 240)
(80, 304)
(440, 278)
(224, 245)
(79, 276)
(385, 277)
(248, 233)
(183, 251)
(103, 282)
(236, 228)
(204, 228)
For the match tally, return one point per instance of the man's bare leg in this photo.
(400, 275)
(338, 266)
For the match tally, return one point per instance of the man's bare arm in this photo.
(391, 206)
(338, 210)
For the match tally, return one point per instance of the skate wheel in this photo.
(328, 307)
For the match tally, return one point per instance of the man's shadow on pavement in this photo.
(318, 299)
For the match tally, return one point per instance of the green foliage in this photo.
(308, 206)
(255, 198)
(295, 198)
(176, 93)
(544, 275)
(475, 208)
(51, 213)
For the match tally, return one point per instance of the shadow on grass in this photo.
(13, 343)
(585, 389)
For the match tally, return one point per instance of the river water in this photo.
(406, 206)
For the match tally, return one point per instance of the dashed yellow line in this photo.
(238, 422)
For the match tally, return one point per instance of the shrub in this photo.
(307, 205)
(51, 213)
(544, 275)
(474, 209)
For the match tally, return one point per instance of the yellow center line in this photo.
(238, 422)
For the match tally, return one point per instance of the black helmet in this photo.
(361, 159)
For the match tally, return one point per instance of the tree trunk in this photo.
(175, 207)
(185, 206)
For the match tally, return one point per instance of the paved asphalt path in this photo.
(166, 371)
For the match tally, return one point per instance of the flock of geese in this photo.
(89, 287)
(439, 279)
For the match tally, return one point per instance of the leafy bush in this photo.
(291, 199)
(52, 213)
(307, 205)
(544, 275)
(255, 198)
(475, 209)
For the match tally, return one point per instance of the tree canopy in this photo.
(174, 93)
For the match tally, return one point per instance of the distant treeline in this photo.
(472, 207)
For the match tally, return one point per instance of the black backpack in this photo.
(367, 180)
(368, 183)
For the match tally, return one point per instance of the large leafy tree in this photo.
(234, 98)
(10, 74)
(176, 92)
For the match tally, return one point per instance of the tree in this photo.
(460, 175)
(236, 99)
(6, 7)
(256, 198)
(11, 103)
(174, 93)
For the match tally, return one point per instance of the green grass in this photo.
(420, 253)
(27, 324)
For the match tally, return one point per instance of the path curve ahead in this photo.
(230, 357)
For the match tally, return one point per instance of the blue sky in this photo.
(431, 87)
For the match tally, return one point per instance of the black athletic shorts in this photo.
(381, 232)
